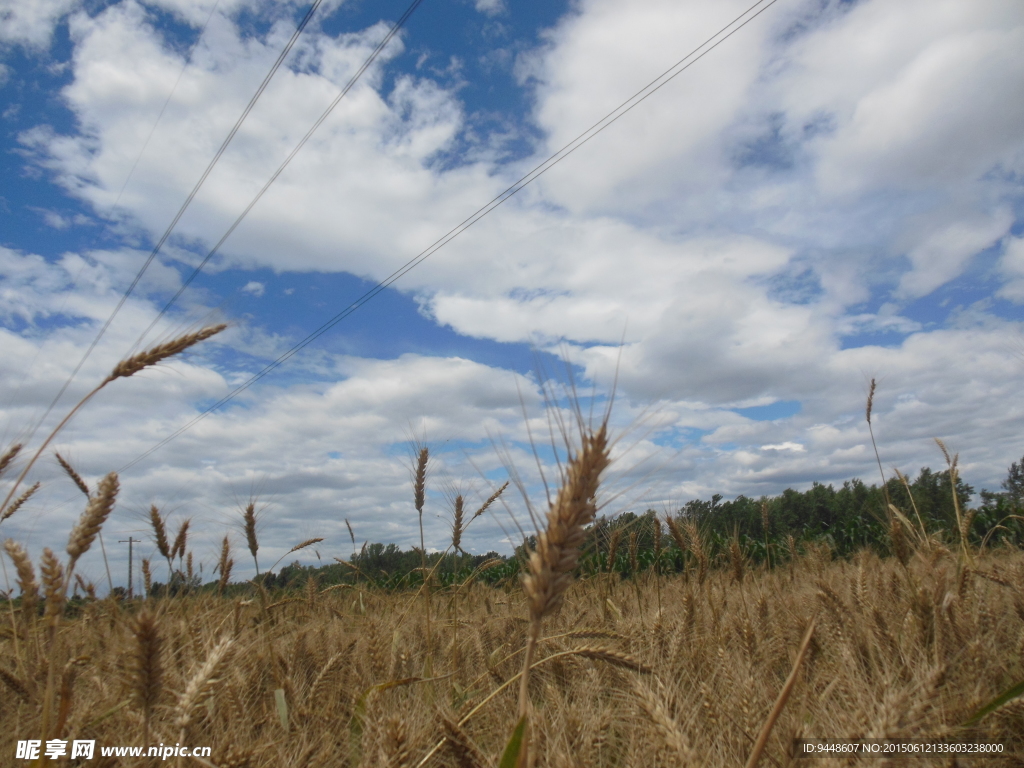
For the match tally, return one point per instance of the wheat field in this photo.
(724, 664)
(345, 677)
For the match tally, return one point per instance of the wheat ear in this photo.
(396, 744)
(92, 519)
(26, 576)
(224, 565)
(552, 563)
(16, 685)
(490, 500)
(466, 753)
(18, 502)
(159, 532)
(181, 540)
(677, 535)
(249, 522)
(123, 369)
(671, 733)
(306, 543)
(696, 543)
(8, 457)
(351, 534)
(75, 477)
(419, 496)
(201, 682)
(161, 352)
(53, 586)
(148, 669)
(147, 577)
(457, 524)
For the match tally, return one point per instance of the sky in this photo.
(833, 194)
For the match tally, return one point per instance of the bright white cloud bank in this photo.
(806, 181)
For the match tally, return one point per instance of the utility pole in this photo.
(129, 541)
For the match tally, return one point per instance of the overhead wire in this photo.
(188, 60)
(659, 82)
(280, 169)
(167, 101)
(181, 211)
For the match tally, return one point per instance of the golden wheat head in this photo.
(558, 546)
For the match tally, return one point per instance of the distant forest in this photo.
(768, 530)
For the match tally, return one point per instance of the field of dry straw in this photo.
(718, 666)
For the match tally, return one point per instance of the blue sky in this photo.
(832, 195)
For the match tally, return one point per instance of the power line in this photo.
(167, 101)
(124, 186)
(659, 82)
(184, 207)
(352, 81)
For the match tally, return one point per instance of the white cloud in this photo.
(787, 446)
(490, 7)
(945, 252)
(1012, 266)
(671, 147)
(31, 23)
(735, 249)
(255, 288)
(911, 94)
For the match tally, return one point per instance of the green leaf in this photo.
(510, 757)
(1008, 695)
(282, 707)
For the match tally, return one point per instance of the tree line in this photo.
(846, 519)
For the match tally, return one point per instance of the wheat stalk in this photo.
(249, 521)
(123, 369)
(466, 753)
(8, 456)
(490, 500)
(224, 565)
(16, 685)
(52, 573)
(92, 519)
(695, 540)
(159, 532)
(736, 559)
(351, 535)
(75, 477)
(457, 524)
(419, 496)
(613, 548)
(148, 668)
(18, 502)
(552, 563)
(671, 733)
(161, 352)
(200, 683)
(87, 586)
(26, 576)
(180, 541)
(396, 744)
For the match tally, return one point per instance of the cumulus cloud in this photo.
(944, 252)
(31, 24)
(787, 446)
(254, 288)
(1012, 266)
(801, 185)
(490, 7)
